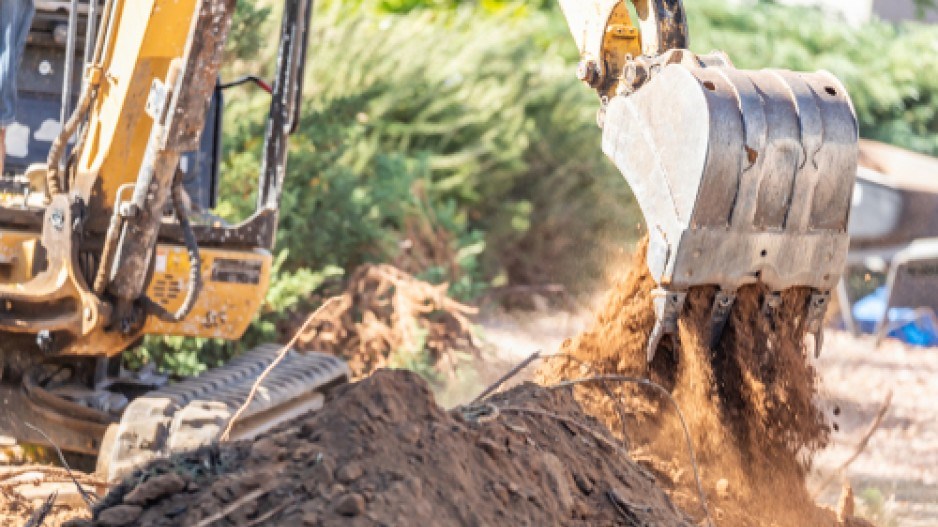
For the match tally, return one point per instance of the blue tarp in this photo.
(909, 325)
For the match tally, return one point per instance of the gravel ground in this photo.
(897, 474)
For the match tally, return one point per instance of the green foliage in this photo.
(924, 6)
(873, 506)
(887, 68)
(247, 30)
(444, 162)
(417, 359)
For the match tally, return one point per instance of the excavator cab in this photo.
(44, 100)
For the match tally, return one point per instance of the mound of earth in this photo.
(382, 452)
(749, 403)
(385, 311)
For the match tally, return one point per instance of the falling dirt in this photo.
(748, 403)
(382, 452)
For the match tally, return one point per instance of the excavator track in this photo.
(195, 412)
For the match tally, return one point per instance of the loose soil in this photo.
(382, 452)
(749, 403)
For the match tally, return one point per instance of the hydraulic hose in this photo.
(192, 248)
(57, 149)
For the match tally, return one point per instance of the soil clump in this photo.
(749, 403)
(382, 452)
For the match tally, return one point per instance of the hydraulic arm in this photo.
(742, 176)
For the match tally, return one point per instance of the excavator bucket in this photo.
(742, 176)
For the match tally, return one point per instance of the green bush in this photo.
(441, 142)
(887, 68)
(467, 145)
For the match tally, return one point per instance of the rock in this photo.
(489, 447)
(78, 522)
(409, 433)
(559, 481)
(337, 489)
(351, 504)
(265, 448)
(310, 519)
(584, 483)
(155, 488)
(349, 473)
(323, 470)
(119, 515)
(513, 488)
(723, 488)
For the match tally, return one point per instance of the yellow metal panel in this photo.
(17, 255)
(234, 285)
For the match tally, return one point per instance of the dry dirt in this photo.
(749, 404)
(382, 452)
(896, 475)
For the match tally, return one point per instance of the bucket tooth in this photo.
(817, 308)
(770, 305)
(668, 307)
(719, 315)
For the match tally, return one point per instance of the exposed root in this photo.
(385, 311)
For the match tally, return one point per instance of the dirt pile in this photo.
(382, 452)
(386, 314)
(748, 403)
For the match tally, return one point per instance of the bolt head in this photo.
(44, 341)
(128, 210)
(58, 219)
(588, 72)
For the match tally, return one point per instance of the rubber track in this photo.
(193, 412)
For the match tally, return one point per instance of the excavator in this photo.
(106, 232)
